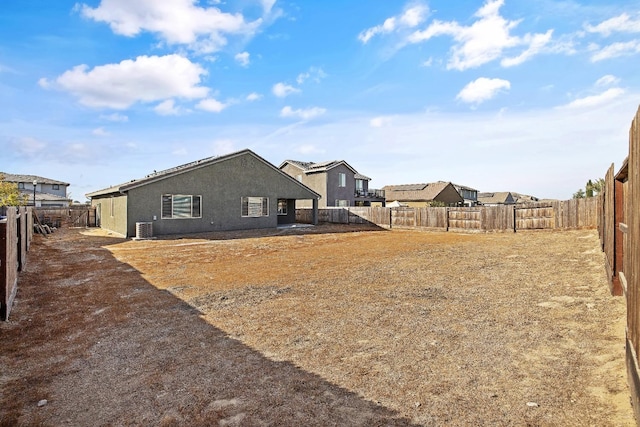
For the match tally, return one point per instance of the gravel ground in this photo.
(330, 325)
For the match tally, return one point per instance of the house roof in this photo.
(311, 167)
(9, 177)
(415, 192)
(158, 176)
(491, 198)
(44, 196)
(463, 187)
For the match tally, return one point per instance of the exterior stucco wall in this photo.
(342, 193)
(221, 186)
(112, 211)
(449, 195)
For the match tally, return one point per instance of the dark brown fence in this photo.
(71, 216)
(570, 214)
(16, 231)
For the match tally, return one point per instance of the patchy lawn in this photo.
(330, 325)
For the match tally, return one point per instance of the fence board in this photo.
(552, 215)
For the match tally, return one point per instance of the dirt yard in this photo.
(317, 327)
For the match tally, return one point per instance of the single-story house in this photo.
(422, 195)
(231, 192)
(40, 191)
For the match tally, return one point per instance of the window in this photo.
(342, 203)
(21, 185)
(176, 206)
(255, 206)
(360, 184)
(282, 206)
(342, 179)
(55, 186)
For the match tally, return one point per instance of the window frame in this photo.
(192, 206)
(55, 186)
(342, 179)
(251, 210)
(283, 212)
(345, 205)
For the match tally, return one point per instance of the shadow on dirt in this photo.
(324, 228)
(91, 342)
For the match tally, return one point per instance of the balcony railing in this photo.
(376, 194)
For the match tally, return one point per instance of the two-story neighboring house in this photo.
(470, 195)
(336, 181)
(40, 191)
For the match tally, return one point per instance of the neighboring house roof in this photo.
(501, 197)
(524, 198)
(415, 192)
(158, 176)
(463, 187)
(396, 204)
(43, 197)
(9, 177)
(311, 167)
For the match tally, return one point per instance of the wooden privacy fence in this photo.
(619, 232)
(569, 214)
(16, 232)
(71, 216)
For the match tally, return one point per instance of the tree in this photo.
(579, 194)
(10, 195)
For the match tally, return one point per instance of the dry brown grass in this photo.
(316, 327)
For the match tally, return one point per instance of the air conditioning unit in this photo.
(144, 230)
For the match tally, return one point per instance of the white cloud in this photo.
(100, 132)
(314, 73)
(181, 22)
(596, 100)
(622, 23)
(607, 80)
(485, 40)
(615, 50)
(254, 97)
(482, 89)
(411, 17)
(243, 59)
(115, 117)
(167, 108)
(211, 105)
(145, 79)
(381, 121)
(304, 114)
(282, 90)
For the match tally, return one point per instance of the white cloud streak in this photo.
(482, 89)
(615, 50)
(622, 23)
(303, 114)
(282, 90)
(411, 17)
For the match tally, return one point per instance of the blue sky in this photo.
(499, 95)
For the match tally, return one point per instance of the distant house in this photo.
(48, 192)
(495, 199)
(470, 195)
(232, 192)
(336, 181)
(421, 195)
